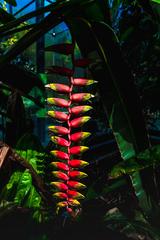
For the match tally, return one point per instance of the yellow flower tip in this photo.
(84, 148)
(91, 82)
(86, 119)
(86, 134)
(87, 108)
(51, 113)
(50, 100)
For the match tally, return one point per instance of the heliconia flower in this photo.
(60, 141)
(76, 163)
(62, 88)
(60, 154)
(78, 149)
(75, 184)
(60, 165)
(80, 109)
(60, 186)
(74, 194)
(73, 202)
(79, 136)
(80, 97)
(60, 195)
(58, 115)
(59, 130)
(60, 175)
(60, 102)
(83, 82)
(78, 122)
(77, 174)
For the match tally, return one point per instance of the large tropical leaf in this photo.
(115, 79)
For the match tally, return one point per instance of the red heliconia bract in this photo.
(78, 149)
(75, 185)
(58, 115)
(78, 136)
(71, 116)
(80, 109)
(60, 195)
(62, 88)
(60, 166)
(59, 130)
(78, 122)
(60, 102)
(77, 174)
(60, 175)
(60, 186)
(81, 97)
(83, 82)
(76, 163)
(60, 154)
(60, 141)
(74, 194)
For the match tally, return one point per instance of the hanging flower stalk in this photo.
(67, 166)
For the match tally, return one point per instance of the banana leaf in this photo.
(119, 95)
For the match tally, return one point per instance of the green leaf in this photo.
(156, 1)
(33, 200)
(24, 185)
(10, 189)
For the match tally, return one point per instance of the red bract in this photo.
(83, 82)
(58, 115)
(60, 154)
(60, 102)
(60, 141)
(78, 149)
(60, 175)
(74, 194)
(76, 163)
(62, 88)
(60, 195)
(78, 122)
(79, 136)
(80, 109)
(59, 130)
(77, 174)
(60, 165)
(81, 97)
(60, 186)
(75, 184)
